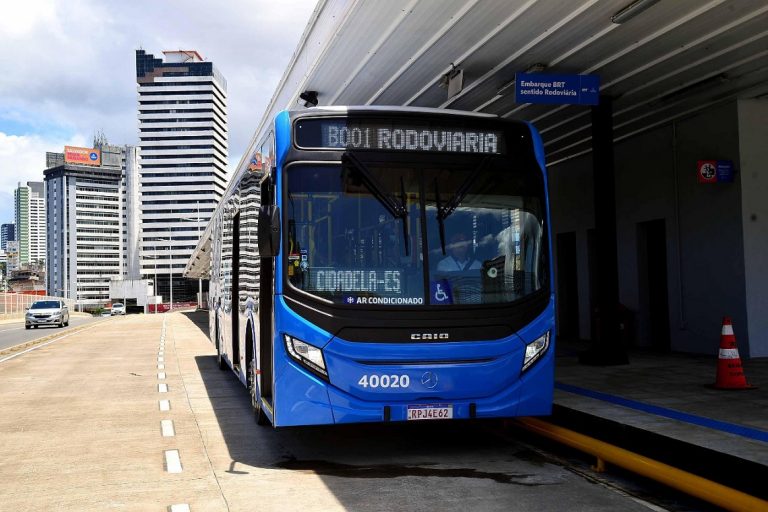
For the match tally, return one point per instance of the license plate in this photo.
(430, 412)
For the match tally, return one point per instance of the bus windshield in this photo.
(463, 232)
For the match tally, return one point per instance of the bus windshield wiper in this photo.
(443, 212)
(396, 208)
(440, 218)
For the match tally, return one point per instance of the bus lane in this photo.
(136, 415)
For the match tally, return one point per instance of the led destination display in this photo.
(344, 134)
(331, 280)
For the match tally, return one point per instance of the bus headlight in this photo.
(305, 354)
(535, 349)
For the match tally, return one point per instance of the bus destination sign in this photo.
(345, 134)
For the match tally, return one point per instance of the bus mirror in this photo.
(269, 231)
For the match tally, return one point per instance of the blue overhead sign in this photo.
(557, 89)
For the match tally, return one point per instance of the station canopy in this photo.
(659, 60)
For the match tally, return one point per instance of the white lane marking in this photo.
(172, 461)
(161, 366)
(165, 405)
(162, 388)
(182, 507)
(160, 359)
(46, 343)
(166, 426)
(161, 375)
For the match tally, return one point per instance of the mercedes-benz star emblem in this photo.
(429, 380)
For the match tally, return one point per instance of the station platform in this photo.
(663, 405)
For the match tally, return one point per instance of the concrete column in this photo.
(607, 346)
(753, 175)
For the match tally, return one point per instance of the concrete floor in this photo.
(82, 428)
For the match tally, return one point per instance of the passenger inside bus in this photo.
(459, 257)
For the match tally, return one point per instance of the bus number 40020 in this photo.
(384, 381)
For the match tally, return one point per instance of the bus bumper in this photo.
(310, 400)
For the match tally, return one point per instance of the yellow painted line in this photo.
(707, 490)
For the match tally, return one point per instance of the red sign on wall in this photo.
(83, 156)
(706, 171)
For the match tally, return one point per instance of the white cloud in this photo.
(69, 65)
(69, 69)
(22, 159)
(20, 18)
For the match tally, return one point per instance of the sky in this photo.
(68, 69)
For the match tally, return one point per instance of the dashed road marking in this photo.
(182, 507)
(166, 427)
(161, 366)
(162, 388)
(161, 376)
(172, 461)
(165, 405)
(161, 359)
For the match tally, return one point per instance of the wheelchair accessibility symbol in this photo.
(440, 295)
(441, 292)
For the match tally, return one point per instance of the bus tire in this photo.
(219, 357)
(258, 411)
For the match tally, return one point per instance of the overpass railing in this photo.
(14, 305)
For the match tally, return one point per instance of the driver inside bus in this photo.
(459, 258)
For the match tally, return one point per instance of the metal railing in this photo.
(14, 305)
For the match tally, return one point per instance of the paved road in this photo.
(14, 333)
(113, 418)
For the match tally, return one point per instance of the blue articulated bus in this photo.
(378, 264)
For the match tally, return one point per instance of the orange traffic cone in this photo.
(730, 374)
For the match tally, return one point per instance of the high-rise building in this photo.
(86, 228)
(29, 205)
(183, 158)
(12, 256)
(7, 233)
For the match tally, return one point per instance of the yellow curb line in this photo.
(707, 490)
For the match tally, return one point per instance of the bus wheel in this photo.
(219, 357)
(253, 386)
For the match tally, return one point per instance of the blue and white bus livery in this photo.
(387, 264)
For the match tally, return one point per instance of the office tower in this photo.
(29, 205)
(7, 233)
(85, 227)
(183, 157)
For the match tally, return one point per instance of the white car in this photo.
(118, 308)
(46, 312)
